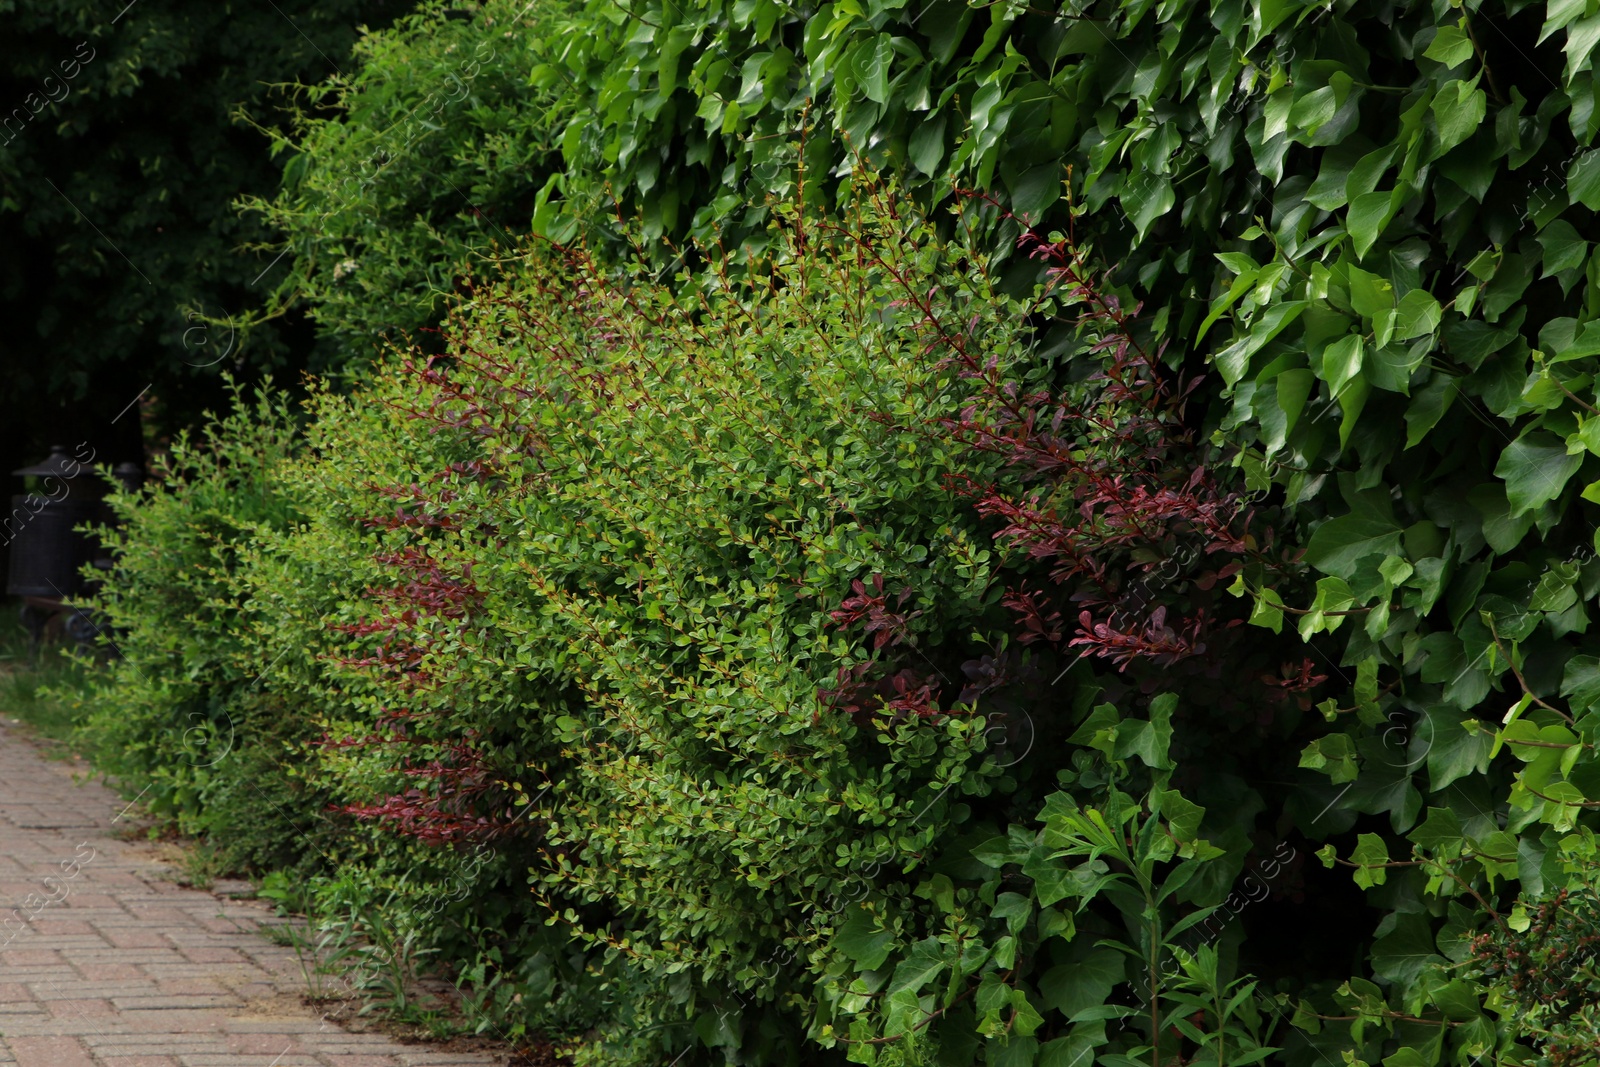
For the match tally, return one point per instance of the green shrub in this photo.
(179, 716)
(585, 583)
(441, 123)
(1414, 275)
(625, 559)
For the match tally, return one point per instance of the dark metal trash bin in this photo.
(46, 550)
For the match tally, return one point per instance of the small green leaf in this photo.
(1342, 362)
(1341, 544)
(1563, 248)
(864, 941)
(1535, 468)
(1450, 46)
(1334, 754)
(1583, 180)
(1458, 110)
(1305, 1016)
(1268, 611)
(926, 147)
(1370, 294)
(1366, 218)
(1372, 854)
(1314, 109)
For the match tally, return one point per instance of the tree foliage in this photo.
(123, 143)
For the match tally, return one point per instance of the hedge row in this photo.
(699, 607)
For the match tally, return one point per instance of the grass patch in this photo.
(33, 688)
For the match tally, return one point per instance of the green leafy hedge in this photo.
(180, 715)
(1370, 225)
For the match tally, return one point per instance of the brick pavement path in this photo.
(104, 961)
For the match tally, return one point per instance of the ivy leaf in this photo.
(1306, 1017)
(1314, 109)
(1099, 730)
(1453, 751)
(1351, 403)
(921, 965)
(1369, 213)
(1025, 1018)
(1583, 180)
(1563, 247)
(1370, 294)
(1440, 830)
(1340, 545)
(1334, 754)
(1014, 908)
(1147, 740)
(1562, 342)
(1406, 951)
(1553, 594)
(1580, 682)
(926, 147)
(1535, 468)
(1075, 1050)
(1582, 36)
(1458, 109)
(1558, 13)
(1458, 1000)
(1333, 595)
(1083, 982)
(1182, 814)
(1450, 46)
(1268, 611)
(864, 941)
(1372, 853)
(1418, 313)
(1294, 386)
(1234, 360)
(1146, 197)
(1035, 191)
(872, 63)
(1428, 406)
(1342, 362)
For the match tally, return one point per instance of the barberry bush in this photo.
(540, 616)
(732, 665)
(625, 519)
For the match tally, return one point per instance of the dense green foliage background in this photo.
(1371, 227)
(125, 136)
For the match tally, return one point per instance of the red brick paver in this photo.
(106, 962)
